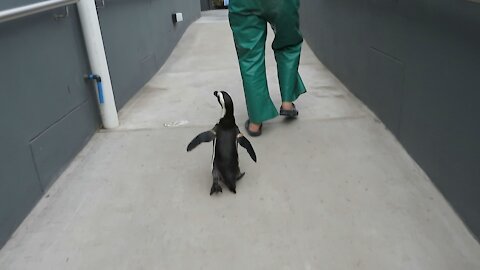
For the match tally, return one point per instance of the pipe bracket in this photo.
(57, 16)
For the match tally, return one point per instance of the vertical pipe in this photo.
(98, 60)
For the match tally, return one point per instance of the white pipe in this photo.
(98, 60)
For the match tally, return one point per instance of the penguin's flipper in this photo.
(206, 136)
(245, 143)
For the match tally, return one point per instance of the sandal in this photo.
(252, 133)
(289, 113)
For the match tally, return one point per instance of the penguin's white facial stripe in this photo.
(222, 103)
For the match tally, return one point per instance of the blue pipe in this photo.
(100, 92)
(98, 79)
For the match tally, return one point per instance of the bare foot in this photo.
(254, 127)
(287, 106)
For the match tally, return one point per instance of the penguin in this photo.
(226, 137)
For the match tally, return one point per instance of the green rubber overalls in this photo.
(248, 21)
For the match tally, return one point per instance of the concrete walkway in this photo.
(332, 190)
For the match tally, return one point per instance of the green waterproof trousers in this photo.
(248, 21)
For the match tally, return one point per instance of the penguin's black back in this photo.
(226, 155)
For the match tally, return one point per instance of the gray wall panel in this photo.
(138, 37)
(41, 69)
(47, 110)
(62, 141)
(19, 185)
(384, 91)
(43, 62)
(429, 99)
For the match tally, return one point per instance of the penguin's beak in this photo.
(215, 93)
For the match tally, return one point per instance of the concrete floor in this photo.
(332, 190)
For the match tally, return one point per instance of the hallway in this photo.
(331, 190)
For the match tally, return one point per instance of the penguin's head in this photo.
(225, 102)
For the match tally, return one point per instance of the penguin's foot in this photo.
(216, 188)
(231, 186)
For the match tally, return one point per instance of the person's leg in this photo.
(287, 46)
(249, 33)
